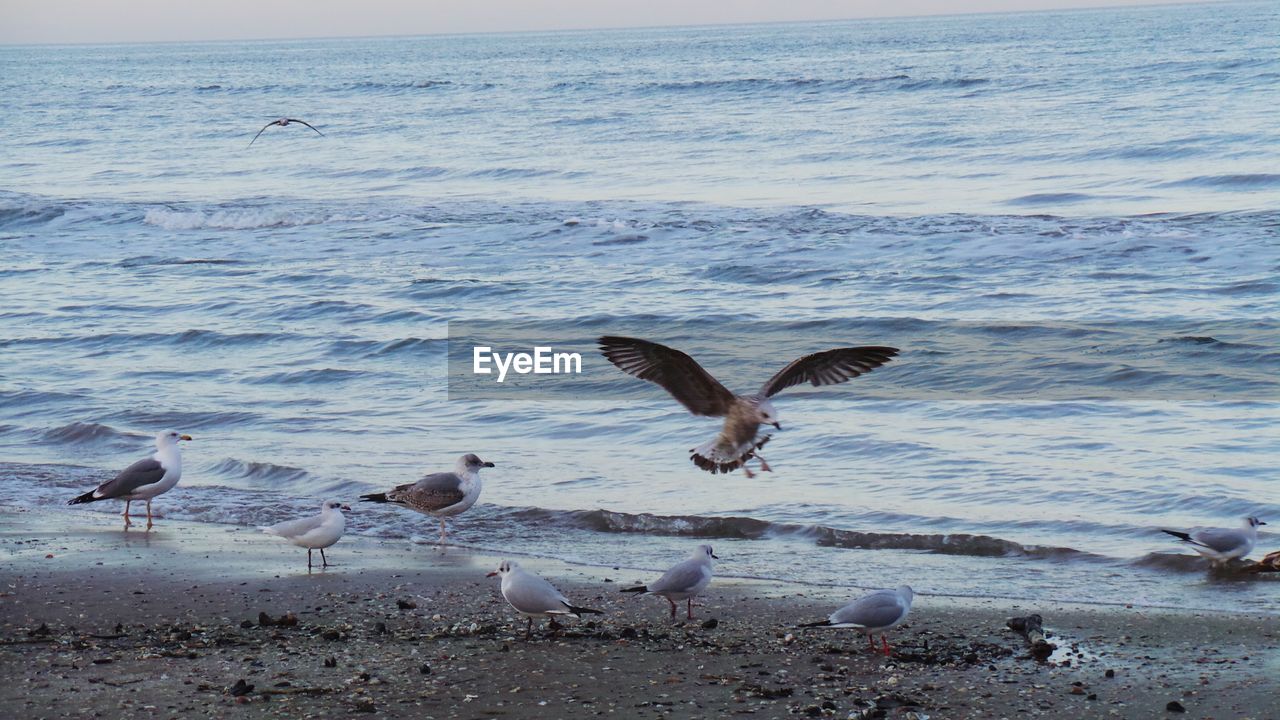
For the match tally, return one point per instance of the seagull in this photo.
(282, 122)
(144, 479)
(532, 596)
(684, 581)
(877, 612)
(316, 532)
(440, 495)
(1222, 545)
(702, 394)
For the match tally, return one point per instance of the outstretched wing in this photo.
(264, 129)
(829, 367)
(303, 122)
(676, 372)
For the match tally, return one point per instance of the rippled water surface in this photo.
(1069, 222)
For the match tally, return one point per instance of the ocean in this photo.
(1068, 222)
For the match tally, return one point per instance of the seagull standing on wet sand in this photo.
(1222, 545)
(316, 532)
(440, 495)
(532, 596)
(144, 479)
(282, 122)
(877, 612)
(702, 394)
(684, 581)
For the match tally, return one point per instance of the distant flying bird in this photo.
(282, 122)
(684, 581)
(877, 612)
(440, 495)
(316, 532)
(532, 596)
(1222, 545)
(702, 394)
(144, 479)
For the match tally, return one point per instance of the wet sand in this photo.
(181, 621)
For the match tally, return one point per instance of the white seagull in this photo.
(316, 532)
(282, 122)
(877, 612)
(440, 495)
(684, 581)
(702, 394)
(532, 596)
(1222, 545)
(144, 479)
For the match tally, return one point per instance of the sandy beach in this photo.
(185, 622)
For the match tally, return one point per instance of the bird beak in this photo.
(715, 556)
(488, 464)
(345, 507)
(778, 425)
(1261, 523)
(184, 437)
(495, 572)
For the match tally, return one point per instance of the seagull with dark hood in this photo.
(702, 394)
(283, 122)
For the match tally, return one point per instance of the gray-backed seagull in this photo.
(314, 533)
(684, 581)
(877, 612)
(144, 479)
(1222, 545)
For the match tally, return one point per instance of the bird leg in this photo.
(871, 642)
(764, 466)
(673, 608)
(746, 470)
(442, 531)
(308, 559)
(528, 629)
(689, 610)
(149, 523)
(126, 514)
(324, 561)
(885, 640)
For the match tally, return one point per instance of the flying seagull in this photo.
(144, 479)
(316, 532)
(877, 612)
(1222, 545)
(532, 596)
(684, 581)
(283, 122)
(440, 495)
(702, 394)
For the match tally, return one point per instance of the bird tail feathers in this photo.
(85, 498)
(820, 623)
(637, 589)
(375, 497)
(1181, 536)
(580, 611)
(713, 458)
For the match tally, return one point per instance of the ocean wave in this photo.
(81, 433)
(241, 218)
(316, 376)
(1243, 181)
(269, 474)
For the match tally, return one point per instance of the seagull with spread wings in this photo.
(702, 394)
(283, 122)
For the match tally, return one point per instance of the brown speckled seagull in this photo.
(702, 394)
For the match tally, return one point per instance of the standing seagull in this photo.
(144, 479)
(1222, 545)
(440, 495)
(282, 122)
(702, 394)
(684, 581)
(316, 532)
(532, 596)
(877, 612)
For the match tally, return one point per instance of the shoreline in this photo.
(164, 625)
